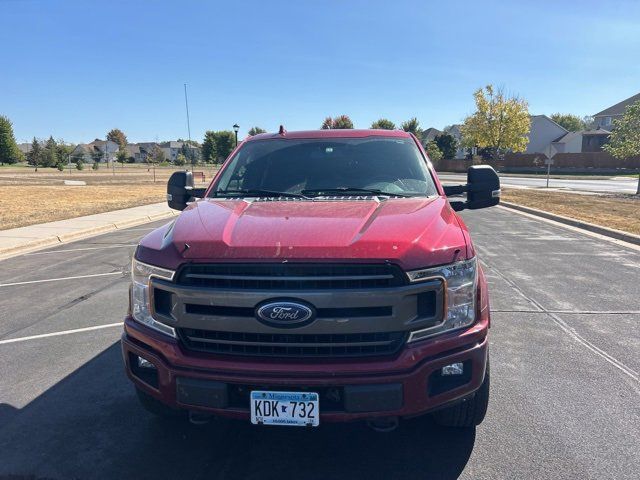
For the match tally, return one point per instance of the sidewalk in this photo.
(34, 237)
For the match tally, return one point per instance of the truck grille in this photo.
(291, 276)
(292, 345)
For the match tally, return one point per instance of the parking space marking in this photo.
(80, 249)
(63, 332)
(60, 279)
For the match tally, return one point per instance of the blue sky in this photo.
(75, 69)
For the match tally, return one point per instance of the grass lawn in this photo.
(621, 212)
(29, 198)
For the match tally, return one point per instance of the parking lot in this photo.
(565, 350)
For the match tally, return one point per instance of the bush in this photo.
(95, 166)
(60, 166)
(164, 164)
(80, 165)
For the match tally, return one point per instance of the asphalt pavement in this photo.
(613, 185)
(565, 391)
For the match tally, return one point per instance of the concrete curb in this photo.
(82, 233)
(607, 232)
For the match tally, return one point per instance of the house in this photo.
(172, 149)
(605, 118)
(430, 134)
(542, 133)
(593, 140)
(100, 150)
(133, 151)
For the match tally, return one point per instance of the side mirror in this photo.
(180, 190)
(482, 188)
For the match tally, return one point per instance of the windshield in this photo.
(345, 166)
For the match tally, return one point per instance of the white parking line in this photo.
(59, 279)
(63, 332)
(80, 249)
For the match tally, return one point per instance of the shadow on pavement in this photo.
(89, 425)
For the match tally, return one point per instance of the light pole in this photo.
(236, 127)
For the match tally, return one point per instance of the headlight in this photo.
(141, 275)
(461, 280)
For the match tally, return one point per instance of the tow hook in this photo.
(197, 418)
(383, 424)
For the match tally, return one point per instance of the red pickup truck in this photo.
(323, 276)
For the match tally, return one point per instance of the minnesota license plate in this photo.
(293, 409)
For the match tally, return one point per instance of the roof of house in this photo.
(549, 119)
(597, 131)
(618, 108)
(430, 133)
(567, 137)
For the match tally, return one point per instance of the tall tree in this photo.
(116, 135)
(383, 124)
(412, 126)
(9, 151)
(64, 151)
(339, 122)
(225, 142)
(447, 144)
(50, 156)
(624, 141)
(256, 130)
(435, 155)
(34, 157)
(209, 152)
(500, 122)
(571, 122)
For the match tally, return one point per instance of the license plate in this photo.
(292, 409)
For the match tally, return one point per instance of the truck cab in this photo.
(322, 276)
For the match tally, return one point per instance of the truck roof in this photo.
(333, 133)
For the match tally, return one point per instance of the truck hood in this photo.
(412, 232)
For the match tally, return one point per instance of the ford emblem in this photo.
(285, 314)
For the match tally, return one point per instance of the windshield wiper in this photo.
(257, 192)
(347, 190)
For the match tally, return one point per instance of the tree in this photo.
(225, 142)
(256, 130)
(383, 124)
(500, 123)
(121, 156)
(339, 122)
(435, 155)
(157, 156)
(9, 151)
(116, 135)
(209, 153)
(64, 151)
(412, 126)
(34, 157)
(571, 122)
(447, 145)
(180, 160)
(624, 141)
(50, 154)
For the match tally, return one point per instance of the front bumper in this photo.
(407, 384)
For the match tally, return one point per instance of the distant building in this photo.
(430, 134)
(542, 133)
(100, 150)
(605, 118)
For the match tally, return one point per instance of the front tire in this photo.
(469, 413)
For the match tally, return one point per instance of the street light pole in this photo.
(236, 127)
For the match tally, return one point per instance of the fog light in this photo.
(453, 369)
(144, 363)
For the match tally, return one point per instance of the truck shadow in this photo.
(89, 425)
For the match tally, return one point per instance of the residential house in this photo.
(101, 150)
(145, 150)
(430, 134)
(542, 133)
(605, 118)
(593, 140)
(173, 149)
(133, 151)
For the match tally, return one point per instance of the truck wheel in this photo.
(469, 413)
(156, 407)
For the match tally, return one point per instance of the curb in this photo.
(40, 243)
(607, 232)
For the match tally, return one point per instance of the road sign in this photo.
(548, 161)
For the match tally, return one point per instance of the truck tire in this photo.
(469, 413)
(156, 407)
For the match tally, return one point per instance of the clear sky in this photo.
(75, 69)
